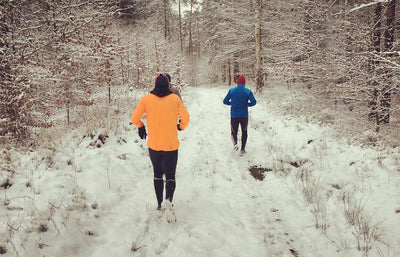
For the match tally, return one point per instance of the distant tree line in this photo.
(53, 53)
(344, 49)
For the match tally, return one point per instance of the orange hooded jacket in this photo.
(162, 115)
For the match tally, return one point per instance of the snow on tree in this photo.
(226, 26)
(257, 35)
(16, 92)
(49, 61)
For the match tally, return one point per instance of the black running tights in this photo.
(235, 127)
(164, 162)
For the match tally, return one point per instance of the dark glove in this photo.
(177, 125)
(142, 132)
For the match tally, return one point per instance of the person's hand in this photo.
(177, 125)
(142, 132)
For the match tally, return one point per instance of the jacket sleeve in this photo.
(252, 99)
(227, 99)
(183, 115)
(137, 114)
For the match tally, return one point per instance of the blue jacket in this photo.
(238, 98)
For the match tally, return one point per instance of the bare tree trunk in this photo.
(190, 30)
(127, 61)
(180, 25)
(389, 38)
(157, 59)
(165, 2)
(168, 20)
(229, 73)
(124, 80)
(236, 71)
(138, 67)
(223, 73)
(68, 121)
(307, 21)
(198, 36)
(258, 68)
(376, 48)
(68, 112)
(138, 78)
(349, 40)
(109, 93)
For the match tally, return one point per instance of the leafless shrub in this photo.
(78, 201)
(311, 186)
(312, 189)
(387, 253)
(298, 163)
(325, 118)
(341, 242)
(370, 138)
(320, 215)
(48, 157)
(380, 160)
(280, 167)
(137, 244)
(48, 137)
(365, 231)
(319, 148)
(6, 160)
(352, 210)
(11, 229)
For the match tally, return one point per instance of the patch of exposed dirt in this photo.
(258, 172)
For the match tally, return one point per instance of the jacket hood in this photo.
(161, 84)
(161, 92)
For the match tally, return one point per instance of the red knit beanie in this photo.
(241, 80)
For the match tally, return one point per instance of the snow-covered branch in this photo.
(367, 5)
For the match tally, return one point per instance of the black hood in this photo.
(161, 92)
(161, 86)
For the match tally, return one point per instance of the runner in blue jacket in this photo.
(239, 98)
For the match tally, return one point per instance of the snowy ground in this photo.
(321, 198)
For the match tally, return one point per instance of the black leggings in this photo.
(164, 162)
(235, 127)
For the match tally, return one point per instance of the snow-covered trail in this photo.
(79, 200)
(221, 209)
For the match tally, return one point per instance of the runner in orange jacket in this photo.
(163, 109)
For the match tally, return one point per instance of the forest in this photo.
(57, 54)
(321, 172)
